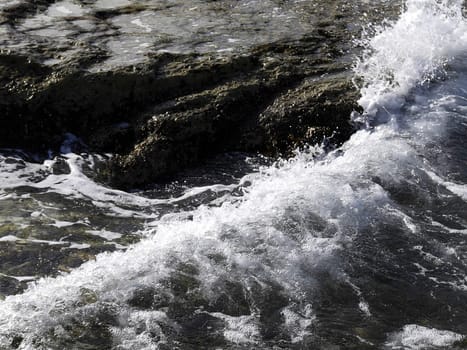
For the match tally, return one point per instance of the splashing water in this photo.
(342, 249)
(412, 51)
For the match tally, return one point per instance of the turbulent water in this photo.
(363, 247)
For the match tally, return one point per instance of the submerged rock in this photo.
(166, 85)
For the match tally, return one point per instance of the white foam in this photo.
(415, 337)
(108, 235)
(240, 329)
(458, 189)
(245, 231)
(409, 52)
(140, 24)
(298, 324)
(79, 246)
(65, 9)
(60, 223)
(450, 230)
(20, 278)
(364, 307)
(24, 278)
(76, 185)
(9, 238)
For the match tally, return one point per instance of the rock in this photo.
(149, 298)
(230, 298)
(309, 112)
(87, 296)
(29, 258)
(265, 111)
(9, 285)
(165, 86)
(60, 167)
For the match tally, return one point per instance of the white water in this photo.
(415, 337)
(293, 220)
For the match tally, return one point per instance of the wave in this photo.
(251, 270)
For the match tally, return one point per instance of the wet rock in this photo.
(264, 111)
(115, 138)
(87, 296)
(147, 298)
(22, 259)
(165, 86)
(87, 327)
(86, 335)
(60, 167)
(269, 301)
(202, 330)
(306, 114)
(9, 285)
(461, 344)
(230, 299)
(29, 258)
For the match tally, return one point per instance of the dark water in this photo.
(361, 248)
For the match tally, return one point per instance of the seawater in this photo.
(363, 247)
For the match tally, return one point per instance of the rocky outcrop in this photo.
(160, 105)
(272, 115)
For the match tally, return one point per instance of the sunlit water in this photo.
(361, 248)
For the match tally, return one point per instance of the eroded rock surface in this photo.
(165, 84)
